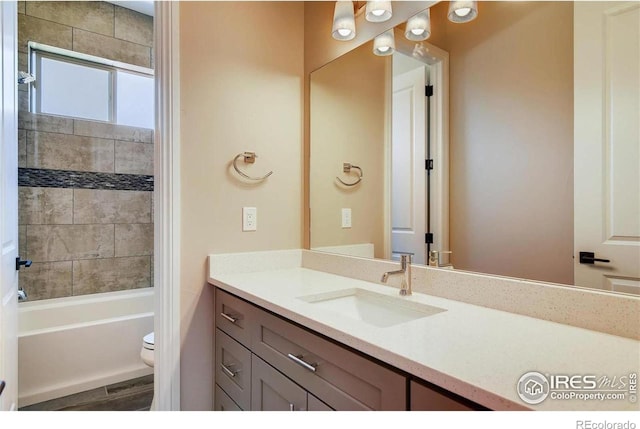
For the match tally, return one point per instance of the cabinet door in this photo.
(424, 398)
(222, 401)
(233, 369)
(272, 391)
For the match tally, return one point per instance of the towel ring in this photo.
(346, 167)
(249, 158)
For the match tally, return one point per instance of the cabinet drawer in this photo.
(233, 316)
(233, 369)
(424, 398)
(342, 379)
(273, 391)
(315, 404)
(223, 402)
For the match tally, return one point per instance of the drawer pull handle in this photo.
(228, 371)
(229, 318)
(298, 359)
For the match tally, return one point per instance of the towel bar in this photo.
(249, 158)
(346, 167)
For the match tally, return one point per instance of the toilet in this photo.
(148, 345)
(147, 349)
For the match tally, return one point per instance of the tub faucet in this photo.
(405, 269)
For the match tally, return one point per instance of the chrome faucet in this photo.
(434, 258)
(405, 268)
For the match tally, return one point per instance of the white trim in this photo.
(388, 99)
(440, 151)
(34, 46)
(438, 61)
(167, 213)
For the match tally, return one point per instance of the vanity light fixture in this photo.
(344, 23)
(378, 11)
(419, 26)
(462, 11)
(384, 44)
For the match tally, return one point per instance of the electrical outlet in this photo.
(346, 218)
(249, 219)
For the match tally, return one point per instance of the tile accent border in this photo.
(35, 177)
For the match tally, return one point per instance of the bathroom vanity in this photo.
(289, 337)
(267, 362)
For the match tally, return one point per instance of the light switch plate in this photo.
(346, 218)
(249, 219)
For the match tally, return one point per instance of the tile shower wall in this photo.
(85, 188)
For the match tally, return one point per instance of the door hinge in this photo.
(428, 164)
(428, 238)
(428, 90)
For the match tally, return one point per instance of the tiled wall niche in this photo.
(85, 188)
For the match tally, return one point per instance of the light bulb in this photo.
(344, 23)
(384, 44)
(378, 11)
(418, 27)
(463, 11)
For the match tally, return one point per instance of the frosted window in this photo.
(70, 89)
(134, 100)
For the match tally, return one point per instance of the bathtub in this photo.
(69, 345)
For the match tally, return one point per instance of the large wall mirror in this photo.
(532, 131)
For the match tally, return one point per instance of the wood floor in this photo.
(130, 395)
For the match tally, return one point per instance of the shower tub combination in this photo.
(69, 345)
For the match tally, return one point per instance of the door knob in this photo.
(19, 262)
(589, 258)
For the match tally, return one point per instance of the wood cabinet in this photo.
(431, 398)
(272, 391)
(341, 378)
(223, 402)
(265, 362)
(233, 369)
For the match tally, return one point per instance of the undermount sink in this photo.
(371, 307)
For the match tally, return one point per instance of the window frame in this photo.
(37, 51)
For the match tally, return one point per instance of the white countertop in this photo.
(476, 352)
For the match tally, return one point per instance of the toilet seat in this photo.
(148, 342)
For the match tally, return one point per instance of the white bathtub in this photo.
(69, 345)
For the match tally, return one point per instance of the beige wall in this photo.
(348, 99)
(241, 90)
(511, 130)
